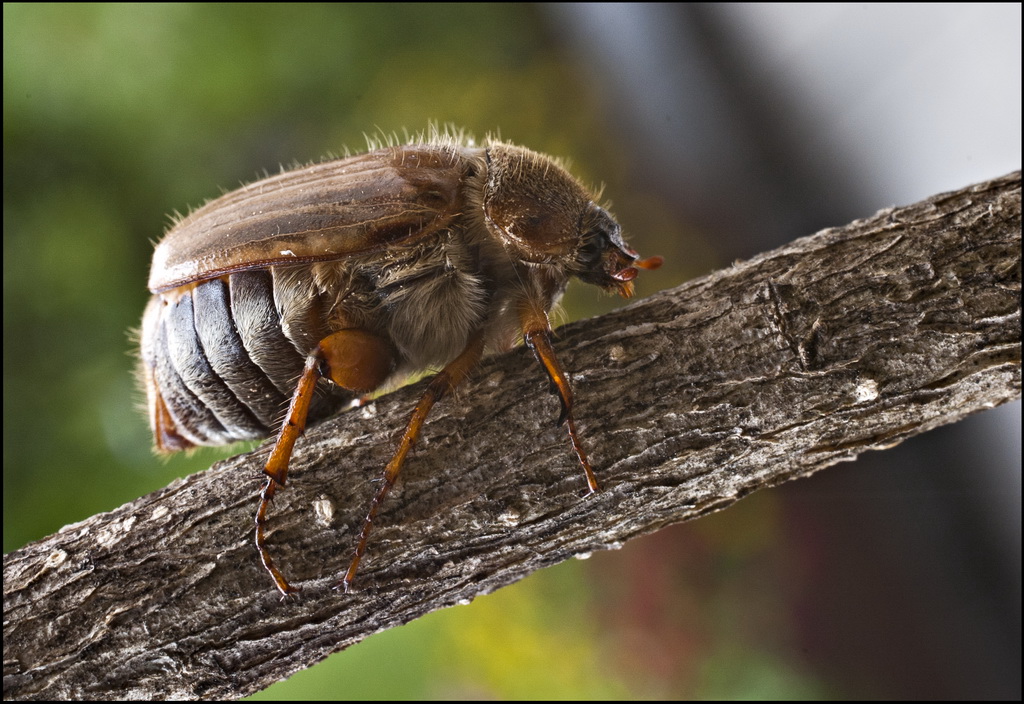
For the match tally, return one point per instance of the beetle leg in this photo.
(354, 359)
(537, 334)
(447, 379)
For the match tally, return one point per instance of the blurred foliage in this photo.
(116, 115)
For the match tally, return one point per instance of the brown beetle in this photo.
(348, 275)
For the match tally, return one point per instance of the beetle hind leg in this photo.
(354, 359)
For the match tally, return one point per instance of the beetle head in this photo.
(603, 258)
(545, 216)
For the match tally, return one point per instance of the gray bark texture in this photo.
(852, 339)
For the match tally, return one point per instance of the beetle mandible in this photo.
(346, 276)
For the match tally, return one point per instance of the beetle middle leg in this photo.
(354, 359)
(447, 379)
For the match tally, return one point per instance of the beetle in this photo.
(346, 276)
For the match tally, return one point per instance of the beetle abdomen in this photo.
(218, 365)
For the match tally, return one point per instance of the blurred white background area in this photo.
(766, 122)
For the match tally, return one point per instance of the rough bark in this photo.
(849, 340)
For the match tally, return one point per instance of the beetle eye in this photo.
(589, 253)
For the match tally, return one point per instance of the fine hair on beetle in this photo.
(313, 288)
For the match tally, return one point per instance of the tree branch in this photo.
(852, 339)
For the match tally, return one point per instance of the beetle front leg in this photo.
(537, 334)
(354, 359)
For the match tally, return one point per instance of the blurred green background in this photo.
(117, 115)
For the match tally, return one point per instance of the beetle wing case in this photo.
(320, 212)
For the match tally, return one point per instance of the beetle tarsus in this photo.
(266, 496)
